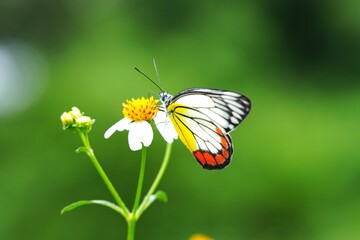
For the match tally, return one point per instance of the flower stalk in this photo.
(141, 180)
(146, 203)
(75, 120)
(88, 150)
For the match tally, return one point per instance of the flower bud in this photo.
(84, 122)
(200, 237)
(75, 113)
(75, 119)
(67, 120)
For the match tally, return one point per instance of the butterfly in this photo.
(203, 119)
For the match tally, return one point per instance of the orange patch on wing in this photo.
(209, 159)
(219, 131)
(220, 159)
(224, 142)
(200, 157)
(225, 153)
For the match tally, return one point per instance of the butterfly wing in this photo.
(203, 118)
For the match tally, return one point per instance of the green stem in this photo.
(114, 193)
(131, 229)
(141, 179)
(132, 218)
(156, 182)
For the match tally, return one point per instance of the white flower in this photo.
(140, 132)
(137, 113)
(165, 126)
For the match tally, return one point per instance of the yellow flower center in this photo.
(143, 109)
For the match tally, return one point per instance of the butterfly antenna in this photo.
(157, 72)
(149, 79)
(153, 93)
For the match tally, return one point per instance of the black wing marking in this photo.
(229, 109)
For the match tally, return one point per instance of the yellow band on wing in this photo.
(177, 116)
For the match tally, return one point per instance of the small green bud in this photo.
(75, 113)
(84, 122)
(67, 120)
(75, 119)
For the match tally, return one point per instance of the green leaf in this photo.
(88, 202)
(82, 150)
(159, 195)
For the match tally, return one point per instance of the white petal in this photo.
(147, 134)
(165, 127)
(119, 126)
(140, 133)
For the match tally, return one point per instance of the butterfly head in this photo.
(165, 98)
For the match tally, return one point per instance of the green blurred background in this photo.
(295, 173)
